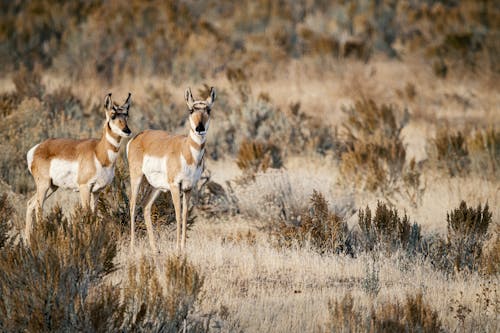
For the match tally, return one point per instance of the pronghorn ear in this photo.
(108, 103)
(189, 98)
(126, 106)
(211, 98)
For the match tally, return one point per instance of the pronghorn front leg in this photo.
(94, 197)
(175, 190)
(85, 196)
(185, 209)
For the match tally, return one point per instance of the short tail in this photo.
(29, 156)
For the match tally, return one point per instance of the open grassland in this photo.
(353, 167)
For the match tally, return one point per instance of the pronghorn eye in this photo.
(113, 115)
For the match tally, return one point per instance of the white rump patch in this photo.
(64, 173)
(29, 156)
(155, 170)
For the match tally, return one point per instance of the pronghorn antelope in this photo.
(169, 163)
(84, 165)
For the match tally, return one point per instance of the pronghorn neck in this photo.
(196, 141)
(108, 146)
(196, 145)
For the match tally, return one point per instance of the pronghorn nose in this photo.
(200, 128)
(127, 130)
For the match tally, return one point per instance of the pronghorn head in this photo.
(199, 112)
(117, 116)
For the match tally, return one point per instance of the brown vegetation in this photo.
(325, 110)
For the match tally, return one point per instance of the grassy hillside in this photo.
(353, 166)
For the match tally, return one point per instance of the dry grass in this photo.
(323, 110)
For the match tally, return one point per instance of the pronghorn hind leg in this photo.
(135, 185)
(185, 209)
(147, 217)
(31, 206)
(176, 199)
(36, 203)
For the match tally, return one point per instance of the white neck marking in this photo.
(199, 139)
(112, 140)
(112, 155)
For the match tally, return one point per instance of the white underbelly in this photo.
(155, 171)
(64, 173)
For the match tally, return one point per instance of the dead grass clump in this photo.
(484, 152)
(467, 228)
(9, 102)
(160, 302)
(490, 263)
(317, 227)
(45, 285)
(6, 214)
(451, 153)
(256, 156)
(386, 230)
(375, 154)
(28, 83)
(213, 199)
(413, 315)
(63, 102)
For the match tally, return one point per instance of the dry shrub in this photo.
(57, 282)
(317, 227)
(467, 228)
(6, 215)
(484, 152)
(387, 231)
(490, 263)
(450, 152)
(258, 119)
(8, 103)
(28, 83)
(413, 315)
(160, 303)
(45, 286)
(63, 102)
(375, 154)
(256, 156)
(214, 200)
